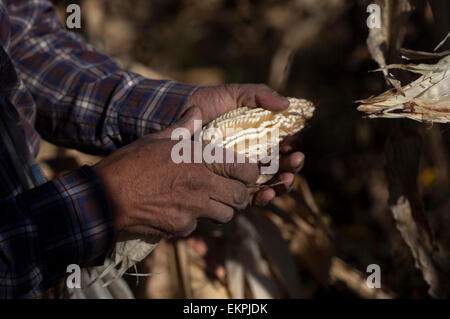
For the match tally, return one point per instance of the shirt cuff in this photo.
(151, 106)
(73, 221)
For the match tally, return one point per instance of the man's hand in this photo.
(217, 100)
(214, 101)
(150, 194)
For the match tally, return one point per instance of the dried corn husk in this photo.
(127, 253)
(94, 288)
(426, 99)
(256, 132)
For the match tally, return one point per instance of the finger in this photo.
(229, 164)
(218, 212)
(285, 183)
(263, 197)
(188, 229)
(290, 144)
(179, 221)
(292, 163)
(229, 192)
(187, 121)
(149, 230)
(260, 95)
(247, 173)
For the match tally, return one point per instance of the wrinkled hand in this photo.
(214, 101)
(151, 195)
(217, 100)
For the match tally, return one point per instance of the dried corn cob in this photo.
(255, 132)
(245, 124)
(425, 99)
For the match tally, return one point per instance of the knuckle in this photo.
(222, 214)
(195, 183)
(183, 222)
(185, 226)
(241, 196)
(235, 169)
(227, 216)
(246, 172)
(250, 173)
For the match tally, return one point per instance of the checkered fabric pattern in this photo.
(65, 91)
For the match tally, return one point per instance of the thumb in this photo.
(269, 99)
(186, 121)
(261, 95)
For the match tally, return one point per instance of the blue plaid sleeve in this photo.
(84, 99)
(43, 230)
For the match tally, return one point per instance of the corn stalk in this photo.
(425, 100)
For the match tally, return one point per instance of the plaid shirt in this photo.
(64, 91)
